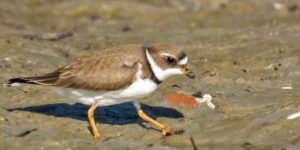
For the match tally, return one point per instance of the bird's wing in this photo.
(105, 73)
(107, 70)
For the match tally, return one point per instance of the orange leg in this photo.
(92, 121)
(164, 129)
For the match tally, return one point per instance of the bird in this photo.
(124, 73)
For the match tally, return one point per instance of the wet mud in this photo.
(244, 53)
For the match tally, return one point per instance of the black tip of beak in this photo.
(190, 74)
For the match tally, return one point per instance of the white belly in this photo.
(138, 89)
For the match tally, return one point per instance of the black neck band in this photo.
(154, 78)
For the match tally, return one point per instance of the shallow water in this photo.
(243, 53)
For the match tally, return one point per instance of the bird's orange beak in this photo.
(187, 72)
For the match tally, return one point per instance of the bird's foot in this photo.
(96, 135)
(166, 131)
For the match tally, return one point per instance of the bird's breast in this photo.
(139, 88)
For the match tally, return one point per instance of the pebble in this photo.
(7, 59)
(287, 88)
(15, 84)
(278, 6)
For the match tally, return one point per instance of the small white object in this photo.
(206, 98)
(278, 5)
(287, 88)
(293, 116)
(7, 59)
(15, 84)
(270, 66)
(2, 119)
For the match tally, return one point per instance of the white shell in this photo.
(293, 116)
(206, 98)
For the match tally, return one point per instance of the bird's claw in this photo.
(167, 131)
(96, 135)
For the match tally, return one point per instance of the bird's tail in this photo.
(20, 80)
(48, 79)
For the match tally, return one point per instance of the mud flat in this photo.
(245, 53)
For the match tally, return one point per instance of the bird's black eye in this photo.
(170, 60)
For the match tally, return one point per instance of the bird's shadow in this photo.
(119, 114)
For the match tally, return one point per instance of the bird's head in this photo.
(167, 60)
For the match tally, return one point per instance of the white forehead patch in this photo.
(165, 54)
(158, 72)
(183, 61)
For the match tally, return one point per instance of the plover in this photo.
(116, 75)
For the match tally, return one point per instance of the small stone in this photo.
(94, 17)
(88, 46)
(126, 28)
(2, 66)
(236, 63)
(247, 145)
(213, 73)
(176, 86)
(245, 70)
(48, 36)
(150, 145)
(293, 8)
(198, 94)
